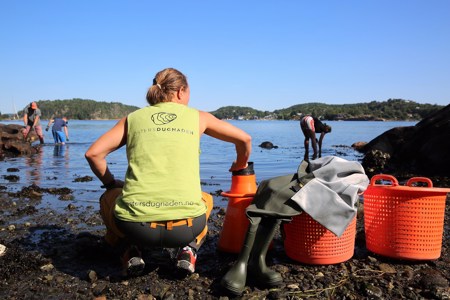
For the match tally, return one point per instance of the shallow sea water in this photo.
(57, 166)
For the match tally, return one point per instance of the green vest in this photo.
(162, 181)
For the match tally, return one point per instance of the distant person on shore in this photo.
(310, 126)
(161, 203)
(60, 131)
(32, 120)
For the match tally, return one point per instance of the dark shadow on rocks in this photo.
(421, 150)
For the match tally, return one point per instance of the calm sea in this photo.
(60, 166)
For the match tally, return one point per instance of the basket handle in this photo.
(420, 179)
(390, 178)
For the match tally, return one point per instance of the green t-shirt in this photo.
(162, 181)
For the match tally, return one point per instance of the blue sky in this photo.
(264, 54)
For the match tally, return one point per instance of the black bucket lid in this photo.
(247, 171)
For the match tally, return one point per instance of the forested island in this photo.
(79, 109)
(391, 109)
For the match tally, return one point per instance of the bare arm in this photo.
(66, 131)
(110, 141)
(224, 131)
(25, 119)
(50, 122)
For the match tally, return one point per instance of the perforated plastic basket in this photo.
(404, 222)
(309, 242)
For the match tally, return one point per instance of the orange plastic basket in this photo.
(404, 222)
(309, 242)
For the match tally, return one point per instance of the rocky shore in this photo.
(60, 255)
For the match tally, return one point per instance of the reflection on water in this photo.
(34, 163)
(59, 150)
(61, 155)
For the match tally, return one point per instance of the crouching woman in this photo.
(160, 203)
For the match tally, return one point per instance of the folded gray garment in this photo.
(331, 197)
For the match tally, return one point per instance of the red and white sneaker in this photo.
(186, 259)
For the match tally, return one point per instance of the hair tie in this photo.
(156, 83)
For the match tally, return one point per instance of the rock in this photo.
(12, 142)
(47, 267)
(387, 268)
(374, 292)
(430, 278)
(421, 149)
(99, 289)
(268, 145)
(92, 276)
(359, 146)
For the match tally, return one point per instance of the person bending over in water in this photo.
(160, 203)
(60, 130)
(310, 126)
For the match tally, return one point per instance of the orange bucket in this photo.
(404, 222)
(307, 241)
(240, 196)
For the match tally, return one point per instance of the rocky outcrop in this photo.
(423, 149)
(12, 142)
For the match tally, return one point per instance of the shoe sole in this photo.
(186, 266)
(135, 267)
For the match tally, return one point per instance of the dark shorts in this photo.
(171, 234)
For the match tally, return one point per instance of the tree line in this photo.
(82, 109)
(392, 109)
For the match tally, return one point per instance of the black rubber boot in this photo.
(235, 279)
(258, 271)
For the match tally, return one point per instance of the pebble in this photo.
(386, 268)
(47, 268)
(99, 289)
(374, 291)
(92, 275)
(2, 250)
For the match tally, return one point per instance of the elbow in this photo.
(247, 142)
(246, 138)
(89, 155)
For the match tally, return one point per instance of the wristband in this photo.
(109, 185)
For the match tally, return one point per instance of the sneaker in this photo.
(132, 262)
(186, 259)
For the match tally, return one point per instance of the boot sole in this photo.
(262, 282)
(233, 290)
